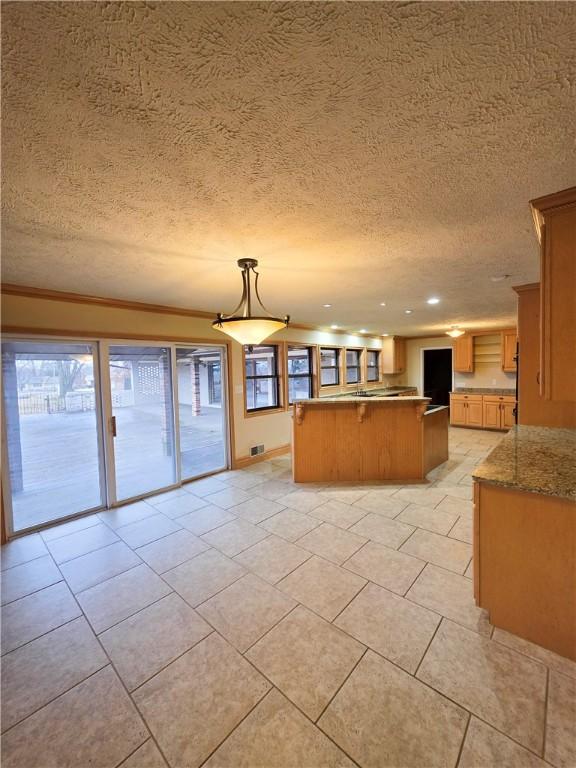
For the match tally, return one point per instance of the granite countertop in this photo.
(482, 391)
(535, 459)
(346, 400)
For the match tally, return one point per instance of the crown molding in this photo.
(540, 205)
(28, 291)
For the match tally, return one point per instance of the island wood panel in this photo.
(525, 565)
(435, 439)
(534, 409)
(331, 443)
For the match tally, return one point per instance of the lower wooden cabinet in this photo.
(482, 411)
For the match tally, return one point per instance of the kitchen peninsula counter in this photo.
(361, 438)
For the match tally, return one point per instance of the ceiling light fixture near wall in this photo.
(455, 332)
(242, 325)
(433, 300)
(499, 278)
(385, 334)
(362, 330)
(334, 327)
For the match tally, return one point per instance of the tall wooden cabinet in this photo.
(534, 409)
(555, 219)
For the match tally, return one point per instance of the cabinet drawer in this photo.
(466, 398)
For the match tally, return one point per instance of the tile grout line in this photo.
(464, 735)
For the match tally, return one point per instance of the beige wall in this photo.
(484, 376)
(270, 429)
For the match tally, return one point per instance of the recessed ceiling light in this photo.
(433, 300)
(326, 305)
(382, 303)
(455, 332)
(362, 330)
(407, 311)
(333, 327)
(499, 278)
(385, 334)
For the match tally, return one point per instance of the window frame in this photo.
(359, 367)
(309, 349)
(375, 368)
(276, 377)
(338, 351)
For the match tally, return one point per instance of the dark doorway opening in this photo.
(438, 375)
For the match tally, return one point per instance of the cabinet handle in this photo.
(113, 426)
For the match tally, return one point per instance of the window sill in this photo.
(263, 411)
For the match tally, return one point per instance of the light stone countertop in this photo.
(534, 459)
(348, 399)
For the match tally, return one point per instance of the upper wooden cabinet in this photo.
(555, 219)
(509, 351)
(464, 354)
(393, 355)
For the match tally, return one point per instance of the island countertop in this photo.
(347, 399)
(534, 459)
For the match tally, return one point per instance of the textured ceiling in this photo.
(363, 152)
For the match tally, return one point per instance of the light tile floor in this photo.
(246, 621)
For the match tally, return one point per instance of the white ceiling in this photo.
(363, 152)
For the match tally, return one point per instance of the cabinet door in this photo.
(474, 415)
(464, 354)
(558, 288)
(457, 412)
(492, 413)
(508, 415)
(509, 351)
(399, 355)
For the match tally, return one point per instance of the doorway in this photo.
(437, 375)
(89, 424)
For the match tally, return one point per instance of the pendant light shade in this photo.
(455, 332)
(242, 325)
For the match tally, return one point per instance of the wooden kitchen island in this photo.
(394, 439)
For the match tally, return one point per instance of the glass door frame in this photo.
(103, 397)
(112, 499)
(226, 425)
(94, 344)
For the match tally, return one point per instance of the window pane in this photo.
(201, 411)
(328, 358)
(141, 389)
(329, 376)
(352, 375)
(53, 442)
(260, 361)
(261, 393)
(299, 389)
(352, 357)
(298, 361)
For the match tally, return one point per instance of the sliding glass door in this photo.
(201, 410)
(89, 425)
(142, 419)
(53, 433)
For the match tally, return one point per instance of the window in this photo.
(262, 379)
(353, 374)
(299, 373)
(373, 358)
(329, 367)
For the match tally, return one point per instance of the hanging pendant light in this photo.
(455, 332)
(242, 325)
